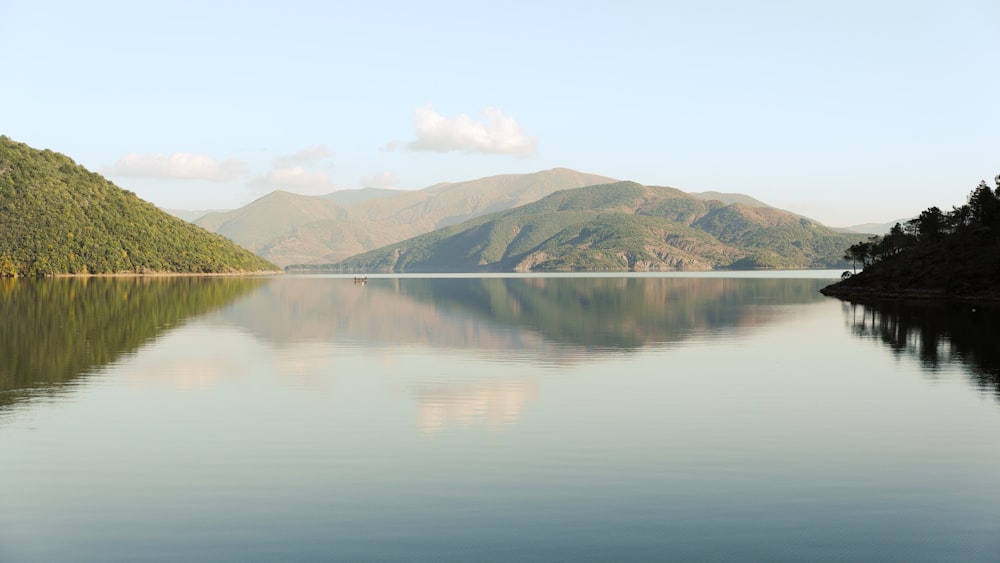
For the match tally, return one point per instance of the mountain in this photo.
(190, 215)
(874, 228)
(288, 228)
(278, 213)
(614, 227)
(349, 197)
(729, 198)
(56, 217)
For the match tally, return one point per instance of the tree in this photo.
(7, 267)
(896, 241)
(858, 252)
(959, 217)
(930, 225)
(984, 205)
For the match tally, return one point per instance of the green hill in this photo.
(56, 217)
(270, 218)
(616, 227)
(289, 228)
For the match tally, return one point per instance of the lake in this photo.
(698, 417)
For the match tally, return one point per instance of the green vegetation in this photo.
(291, 229)
(614, 227)
(951, 254)
(58, 218)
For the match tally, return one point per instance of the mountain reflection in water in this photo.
(55, 330)
(534, 315)
(543, 321)
(634, 417)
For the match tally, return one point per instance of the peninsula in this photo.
(938, 255)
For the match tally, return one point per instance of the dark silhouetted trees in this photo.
(981, 215)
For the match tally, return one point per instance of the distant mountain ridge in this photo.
(190, 215)
(349, 197)
(292, 229)
(874, 228)
(614, 227)
(56, 217)
(729, 198)
(289, 228)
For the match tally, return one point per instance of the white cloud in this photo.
(297, 172)
(380, 180)
(498, 134)
(176, 166)
(295, 178)
(306, 157)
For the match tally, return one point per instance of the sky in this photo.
(847, 112)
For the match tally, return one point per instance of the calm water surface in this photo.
(572, 418)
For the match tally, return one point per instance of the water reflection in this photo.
(542, 317)
(312, 417)
(493, 404)
(939, 334)
(55, 330)
(505, 323)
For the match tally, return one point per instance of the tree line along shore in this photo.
(938, 255)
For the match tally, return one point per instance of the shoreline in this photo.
(153, 275)
(870, 294)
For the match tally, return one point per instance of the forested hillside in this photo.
(289, 228)
(616, 227)
(56, 217)
(937, 254)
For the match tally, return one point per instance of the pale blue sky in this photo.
(847, 112)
